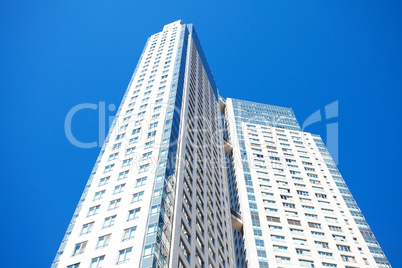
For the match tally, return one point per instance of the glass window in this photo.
(87, 228)
(97, 262)
(133, 214)
(109, 221)
(129, 233)
(79, 248)
(124, 255)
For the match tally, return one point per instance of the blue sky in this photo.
(299, 54)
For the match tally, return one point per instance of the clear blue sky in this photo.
(299, 54)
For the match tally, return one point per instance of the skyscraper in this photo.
(296, 210)
(188, 179)
(157, 196)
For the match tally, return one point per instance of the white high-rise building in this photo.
(296, 210)
(158, 195)
(188, 179)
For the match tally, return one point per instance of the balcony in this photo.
(222, 104)
(228, 146)
(237, 222)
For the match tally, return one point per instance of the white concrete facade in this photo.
(153, 167)
(162, 195)
(293, 212)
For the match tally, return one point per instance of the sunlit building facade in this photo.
(186, 178)
(157, 196)
(294, 208)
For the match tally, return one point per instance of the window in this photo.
(104, 181)
(149, 144)
(294, 222)
(288, 205)
(123, 175)
(153, 125)
(103, 241)
(93, 210)
(325, 255)
(132, 214)
(348, 258)
(108, 168)
(129, 233)
(310, 216)
(130, 150)
(314, 225)
(119, 188)
(282, 259)
(138, 196)
(114, 204)
(298, 241)
(119, 137)
(277, 238)
(335, 228)
(275, 228)
(144, 168)
(133, 140)
(87, 228)
(97, 262)
(146, 155)
(321, 244)
(271, 210)
(79, 248)
(126, 162)
(155, 209)
(280, 248)
(116, 146)
(291, 213)
(77, 265)
(124, 255)
(305, 263)
(113, 156)
(109, 221)
(317, 233)
(302, 193)
(296, 231)
(328, 264)
(273, 219)
(99, 195)
(343, 248)
(141, 182)
(152, 228)
(151, 134)
(149, 249)
(325, 210)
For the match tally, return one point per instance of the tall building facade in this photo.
(188, 179)
(294, 208)
(158, 195)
